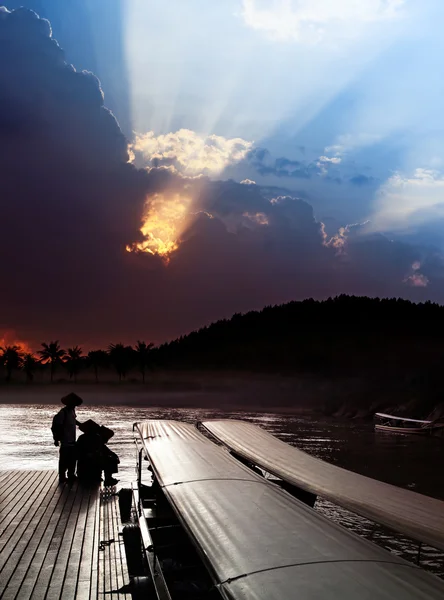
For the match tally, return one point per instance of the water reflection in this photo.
(406, 461)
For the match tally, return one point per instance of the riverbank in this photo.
(342, 397)
(227, 391)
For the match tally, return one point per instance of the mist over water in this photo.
(406, 461)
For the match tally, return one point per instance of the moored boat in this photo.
(397, 424)
(211, 527)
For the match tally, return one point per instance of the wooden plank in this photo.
(54, 588)
(13, 476)
(88, 558)
(21, 528)
(112, 548)
(102, 555)
(94, 590)
(56, 583)
(75, 554)
(8, 502)
(20, 487)
(17, 566)
(61, 498)
(22, 519)
(4, 474)
(52, 553)
(9, 479)
(109, 562)
(7, 474)
(11, 506)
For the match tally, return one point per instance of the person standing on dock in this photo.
(64, 432)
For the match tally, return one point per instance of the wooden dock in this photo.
(59, 541)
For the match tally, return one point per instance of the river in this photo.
(407, 461)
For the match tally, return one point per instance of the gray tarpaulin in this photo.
(415, 515)
(257, 541)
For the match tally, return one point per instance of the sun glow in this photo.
(165, 219)
(10, 338)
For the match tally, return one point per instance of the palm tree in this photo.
(11, 357)
(29, 365)
(52, 354)
(73, 361)
(121, 358)
(97, 359)
(142, 355)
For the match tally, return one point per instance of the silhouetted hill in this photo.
(395, 346)
(345, 334)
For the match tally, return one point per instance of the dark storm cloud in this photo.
(70, 203)
(250, 250)
(92, 35)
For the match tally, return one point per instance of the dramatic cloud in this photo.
(70, 200)
(405, 201)
(189, 152)
(96, 250)
(310, 21)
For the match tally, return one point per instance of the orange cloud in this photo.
(8, 337)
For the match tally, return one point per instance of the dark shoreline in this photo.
(236, 395)
(345, 398)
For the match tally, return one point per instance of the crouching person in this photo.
(93, 455)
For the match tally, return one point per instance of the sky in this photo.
(167, 164)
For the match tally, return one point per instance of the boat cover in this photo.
(260, 543)
(398, 418)
(415, 515)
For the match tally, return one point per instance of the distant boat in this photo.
(396, 424)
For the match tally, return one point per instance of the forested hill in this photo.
(341, 336)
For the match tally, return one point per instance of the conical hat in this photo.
(72, 400)
(89, 426)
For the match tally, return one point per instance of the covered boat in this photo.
(415, 515)
(255, 540)
(396, 424)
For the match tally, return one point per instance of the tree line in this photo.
(120, 357)
(346, 335)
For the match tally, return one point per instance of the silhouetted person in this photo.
(93, 455)
(64, 432)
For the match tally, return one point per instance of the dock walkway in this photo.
(59, 541)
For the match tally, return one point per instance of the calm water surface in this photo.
(407, 461)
